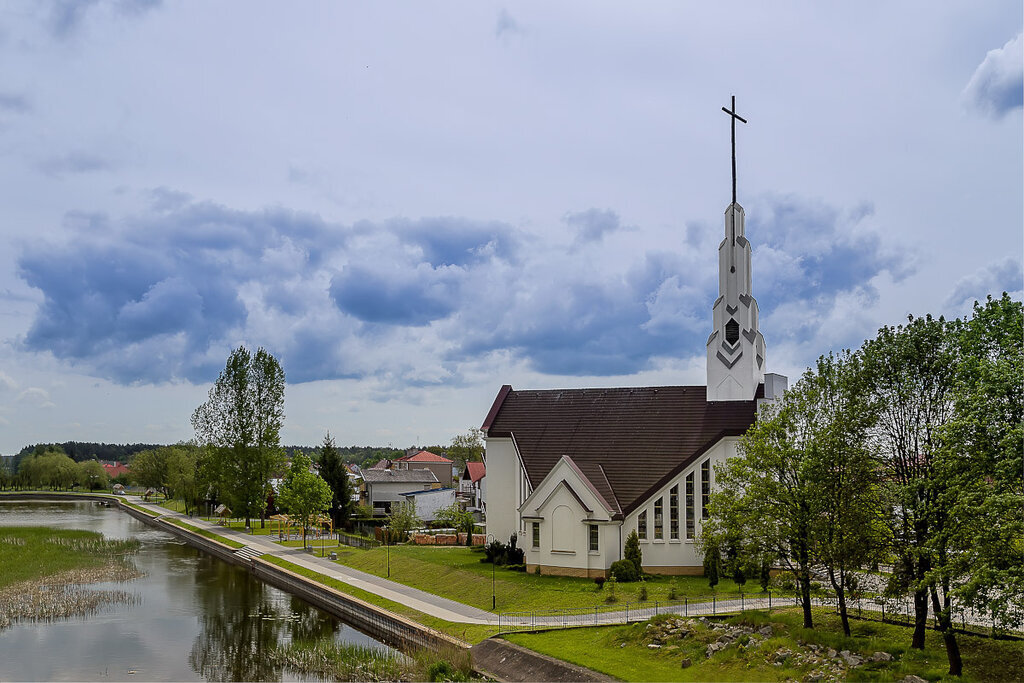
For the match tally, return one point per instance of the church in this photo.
(582, 468)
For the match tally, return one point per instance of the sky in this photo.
(412, 204)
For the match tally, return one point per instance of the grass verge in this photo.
(469, 633)
(34, 553)
(624, 652)
(205, 533)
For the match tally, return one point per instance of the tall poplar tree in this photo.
(241, 422)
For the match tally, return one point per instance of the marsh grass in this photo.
(42, 572)
(343, 661)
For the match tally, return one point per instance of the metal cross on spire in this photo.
(732, 113)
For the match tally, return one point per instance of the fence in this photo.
(357, 541)
(898, 610)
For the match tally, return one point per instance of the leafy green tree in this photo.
(765, 496)
(848, 525)
(241, 422)
(712, 564)
(454, 516)
(183, 476)
(983, 458)
(468, 447)
(633, 553)
(92, 475)
(332, 469)
(402, 520)
(149, 468)
(304, 495)
(910, 369)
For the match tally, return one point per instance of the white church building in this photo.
(579, 469)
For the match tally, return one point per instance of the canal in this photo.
(192, 617)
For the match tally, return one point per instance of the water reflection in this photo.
(196, 618)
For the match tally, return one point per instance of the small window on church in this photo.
(641, 525)
(536, 535)
(732, 331)
(593, 538)
(659, 527)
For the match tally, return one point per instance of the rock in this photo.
(814, 677)
(911, 678)
(852, 660)
(726, 639)
(765, 631)
(652, 646)
(881, 657)
(686, 663)
(832, 653)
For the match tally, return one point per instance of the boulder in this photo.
(765, 630)
(881, 657)
(686, 663)
(911, 678)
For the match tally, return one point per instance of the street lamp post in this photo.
(387, 544)
(494, 600)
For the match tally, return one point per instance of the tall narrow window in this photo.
(659, 526)
(593, 538)
(641, 525)
(536, 534)
(705, 488)
(689, 506)
(673, 513)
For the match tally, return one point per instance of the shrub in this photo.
(624, 570)
(712, 565)
(443, 671)
(611, 589)
(513, 555)
(641, 594)
(494, 552)
(633, 553)
(599, 580)
(673, 591)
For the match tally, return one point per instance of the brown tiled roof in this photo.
(475, 470)
(627, 442)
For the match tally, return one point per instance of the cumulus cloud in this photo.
(993, 279)
(7, 383)
(37, 397)
(997, 85)
(164, 295)
(593, 224)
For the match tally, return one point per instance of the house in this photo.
(438, 464)
(472, 486)
(582, 468)
(382, 488)
(429, 501)
(115, 469)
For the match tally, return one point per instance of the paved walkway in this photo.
(425, 602)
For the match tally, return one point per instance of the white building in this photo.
(381, 488)
(429, 501)
(579, 469)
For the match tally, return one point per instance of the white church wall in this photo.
(669, 555)
(502, 500)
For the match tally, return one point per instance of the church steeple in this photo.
(736, 354)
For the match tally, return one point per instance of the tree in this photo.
(149, 468)
(454, 516)
(712, 564)
(764, 496)
(847, 530)
(911, 372)
(633, 553)
(332, 469)
(303, 494)
(241, 422)
(983, 456)
(468, 447)
(92, 475)
(402, 520)
(183, 467)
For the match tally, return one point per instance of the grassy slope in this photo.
(621, 651)
(28, 553)
(458, 574)
(465, 632)
(205, 533)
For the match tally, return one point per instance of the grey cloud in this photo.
(67, 16)
(506, 25)
(593, 224)
(997, 85)
(993, 279)
(17, 104)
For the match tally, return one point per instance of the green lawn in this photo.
(456, 572)
(28, 553)
(468, 633)
(623, 652)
